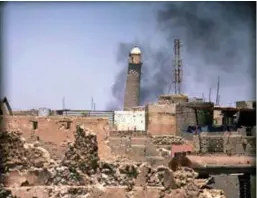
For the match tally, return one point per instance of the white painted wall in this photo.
(129, 120)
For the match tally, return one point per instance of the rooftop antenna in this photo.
(92, 104)
(177, 64)
(63, 106)
(210, 95)
(203, 97)
(63, 103)
(218, 89)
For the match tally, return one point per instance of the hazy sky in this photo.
(53, 50)
(56, 50)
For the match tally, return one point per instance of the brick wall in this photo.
(161, 119)
(225, 143)
(193, 113)
(56, 131)
(184, 117)
(132, 91)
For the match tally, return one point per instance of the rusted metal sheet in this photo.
(215, 164)
(222, 161)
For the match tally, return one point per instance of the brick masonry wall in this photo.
(51, 131)
(224, 143)
(184, 117)
(132, 91)
(188, 116)
(161, 120)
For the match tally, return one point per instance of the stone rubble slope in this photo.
(168, 140)
(16, 153)
(81, 166)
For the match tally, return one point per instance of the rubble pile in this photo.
(184, 175)
(128, 174)
(163, 152)
(154, 177)
(82, 170)
(168, 140)
(15, 153)
(187, 180)
(74, 192)
(65, 176)
(116, 174)
(6, 193)
(212, 193)
(83, 154)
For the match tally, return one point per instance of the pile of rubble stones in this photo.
(183, 176)
(6, 193)
(81, 166)
(15, 153)
(168, 140)
(62, 175)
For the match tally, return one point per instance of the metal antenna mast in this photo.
(177, 64)
(63, 103)
(218, 89)
(210, 95)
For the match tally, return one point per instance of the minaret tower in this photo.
(132, 90)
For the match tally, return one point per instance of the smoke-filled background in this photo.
(218, 39)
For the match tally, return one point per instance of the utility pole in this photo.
(210, 95)
(63, 103)
(203, 97)
(218, 89)
(177, 64)
(63, 106)
(92, 104)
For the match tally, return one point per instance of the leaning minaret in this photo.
(132, 90)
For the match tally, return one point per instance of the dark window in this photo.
(34, 125)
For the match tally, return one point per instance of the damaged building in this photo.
(143, 151)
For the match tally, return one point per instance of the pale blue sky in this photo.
(55, 50)
(68, 49)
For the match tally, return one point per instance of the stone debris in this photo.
(83, 154)
(168, 140)
(14, 153)
(4, 193)
(212, 193)
(163, 152)
(184, 175)
(65, 176)
(117, 174)
(81, 167)
(76, 192)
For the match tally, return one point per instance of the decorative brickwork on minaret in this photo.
(132, 91)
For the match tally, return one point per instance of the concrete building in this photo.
(132, 90)
(173, 114)
(246, 104)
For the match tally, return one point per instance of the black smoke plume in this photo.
(218, 38)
